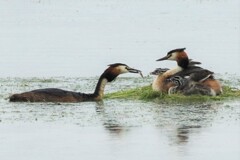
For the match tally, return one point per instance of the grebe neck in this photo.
(99, 90)
(183, 62)
(107, 76)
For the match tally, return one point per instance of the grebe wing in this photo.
(188, 71)
(196, 73)
(54, 92)
(201, 75)
(193, 63)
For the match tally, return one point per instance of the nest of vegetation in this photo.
(147, 94)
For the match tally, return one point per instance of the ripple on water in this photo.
(120, 122)
(109, 112)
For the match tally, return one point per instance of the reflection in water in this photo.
(109, 124)
(187, 120)
(115, 127)
(179, 122)
(116, 130)
(183, 134)
(98, 33)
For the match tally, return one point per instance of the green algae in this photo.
(146, 93)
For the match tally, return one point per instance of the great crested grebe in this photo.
(59, 95)
(161, 82)
(196, 73)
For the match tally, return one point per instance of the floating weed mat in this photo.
(146, 93)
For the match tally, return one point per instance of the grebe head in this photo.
(159, 71)
(177, 80)
(178, 55)
(118, 68)
(174, 55)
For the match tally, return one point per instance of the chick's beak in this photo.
(132, 70)
(163, 58)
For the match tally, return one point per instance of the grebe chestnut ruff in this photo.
(59, 95)
(187, 67)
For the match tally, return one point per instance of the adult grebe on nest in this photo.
(187, 68)
(162, 82)
(59, 95)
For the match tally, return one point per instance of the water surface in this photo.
(67, 44)
(114, 128)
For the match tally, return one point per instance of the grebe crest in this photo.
(178, 55)
(202, 80)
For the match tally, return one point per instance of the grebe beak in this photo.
(164, 58)
(132, 70)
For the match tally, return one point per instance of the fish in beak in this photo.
(132, 70)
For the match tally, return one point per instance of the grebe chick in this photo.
(159, 71)
(161, 84)
(59, 95)
(186, 86)
(203, 76)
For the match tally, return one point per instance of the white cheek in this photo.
(173, 57)
(122, 69)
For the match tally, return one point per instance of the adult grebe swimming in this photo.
(186, 68)
(59, 95)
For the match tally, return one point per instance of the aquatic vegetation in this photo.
(146, 93)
